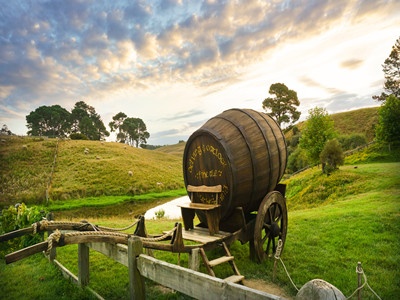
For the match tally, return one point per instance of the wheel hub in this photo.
(275, 229)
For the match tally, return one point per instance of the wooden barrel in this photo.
(241, 149)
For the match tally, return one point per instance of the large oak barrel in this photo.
(241, 149)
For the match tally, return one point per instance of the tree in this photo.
(331, 156)
(388, 129)
(135, 131)
(85, 120)
(391, 69)
(282, 107)
(318, 130)
(5, 131)
(49, 121)
(117, 123)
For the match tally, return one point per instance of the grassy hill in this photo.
(176, 149)
(361, 121)
(105, 170)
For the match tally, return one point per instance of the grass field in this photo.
(325, 240)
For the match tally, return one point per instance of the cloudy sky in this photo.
(177, 63)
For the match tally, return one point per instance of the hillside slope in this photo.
(25, 165)
(24, 171)
(361, 121)
(106, 170)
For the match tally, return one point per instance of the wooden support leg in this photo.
(213, 217)
(187, 216)
(83, 265)
(136, 280)
(194, 260)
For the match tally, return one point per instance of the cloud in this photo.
(352, 64)
(312, 83)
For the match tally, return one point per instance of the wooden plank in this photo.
(117, 252)
(234, 278)
(136, 281)
(194, 260)
(69, 275)
(220, 260)
(203, 236)
(196, 284)
(201, 206)
(204, 189)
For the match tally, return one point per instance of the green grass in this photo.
(105, 171)
(110, 200)
(24, 172)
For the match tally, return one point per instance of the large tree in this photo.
(85, 120)
(135, 131)
(317, 131)
(282, 107)
(116, 123)
(388, 129)
(391, 69)
(49, 121)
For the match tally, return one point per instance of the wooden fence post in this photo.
(136, 280)
(53, 252)
(83, 265)
(194, 260)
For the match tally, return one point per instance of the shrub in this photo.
(18, 217)
(352, 141)
(160, 214)
(78, 136)
(297, 160)
(332, 155)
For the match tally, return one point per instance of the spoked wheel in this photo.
(270, 226)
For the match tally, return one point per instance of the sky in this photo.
(175, 64)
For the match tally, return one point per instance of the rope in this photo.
(44, 224)
(160, 238)
(278, 257)
(118, 229)
(55, 236)
(359, 270)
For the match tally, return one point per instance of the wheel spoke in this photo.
(267, 225)
(279, 218)
(273, 245)
(269, 243)
(264, 239)
(270, 214)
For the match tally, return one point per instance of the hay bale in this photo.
(102, 143)
(130, 173)
(318, 289)
(98, 157)
(159, 183)
(124, 147)
(3, 140)
(24, 147)
(86, 151)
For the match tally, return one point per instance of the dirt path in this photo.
(267, 287)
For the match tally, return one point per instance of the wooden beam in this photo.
(204, 189)
(196, 284)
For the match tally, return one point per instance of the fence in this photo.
(48, 186)
(187, 281)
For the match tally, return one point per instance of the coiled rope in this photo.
(44, 224)
(56, 235)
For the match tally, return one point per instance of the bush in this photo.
(18, 217)
(297, 160)
(332, 156)
(352, 141)
(78, 136)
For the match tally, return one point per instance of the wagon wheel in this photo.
(270, 226)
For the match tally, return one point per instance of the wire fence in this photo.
(53, 165)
